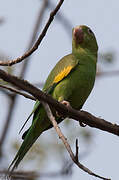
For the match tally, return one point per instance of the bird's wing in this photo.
(59, 72)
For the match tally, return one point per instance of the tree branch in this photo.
(42, 35)
(77, 151)
(63, 19)
(67, 146)
(81, 116)
(17, 92)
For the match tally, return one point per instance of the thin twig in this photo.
(63, 19)
(80, 116)
(77, 150)
(67, 146)
(42, 35)
(17, 92)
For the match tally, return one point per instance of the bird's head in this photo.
(83, 37)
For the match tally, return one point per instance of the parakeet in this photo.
(71, 80)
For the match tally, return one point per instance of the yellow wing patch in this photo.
(62, 74)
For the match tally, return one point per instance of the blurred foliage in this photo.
(2, 21)
(106, 62)
(107, 57)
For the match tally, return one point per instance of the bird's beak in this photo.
(78, 35)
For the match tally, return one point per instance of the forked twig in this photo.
(64, 140)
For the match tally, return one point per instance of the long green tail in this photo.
(30, 138)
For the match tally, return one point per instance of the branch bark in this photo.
(81, 116)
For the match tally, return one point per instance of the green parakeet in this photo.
(71, 80)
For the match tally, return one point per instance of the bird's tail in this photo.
(30, 138)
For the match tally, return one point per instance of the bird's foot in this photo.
(82, 124)
(66, 103)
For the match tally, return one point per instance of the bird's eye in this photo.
(90, 31)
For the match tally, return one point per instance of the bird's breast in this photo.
(76, 87)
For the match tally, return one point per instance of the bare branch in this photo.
(77, 150)
(67, 146)
(42, 35)
(63, 19)
(17, 92)
(81, 116)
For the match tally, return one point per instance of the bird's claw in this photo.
(66, 103)
(82, 124)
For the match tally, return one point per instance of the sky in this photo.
(102, 17)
